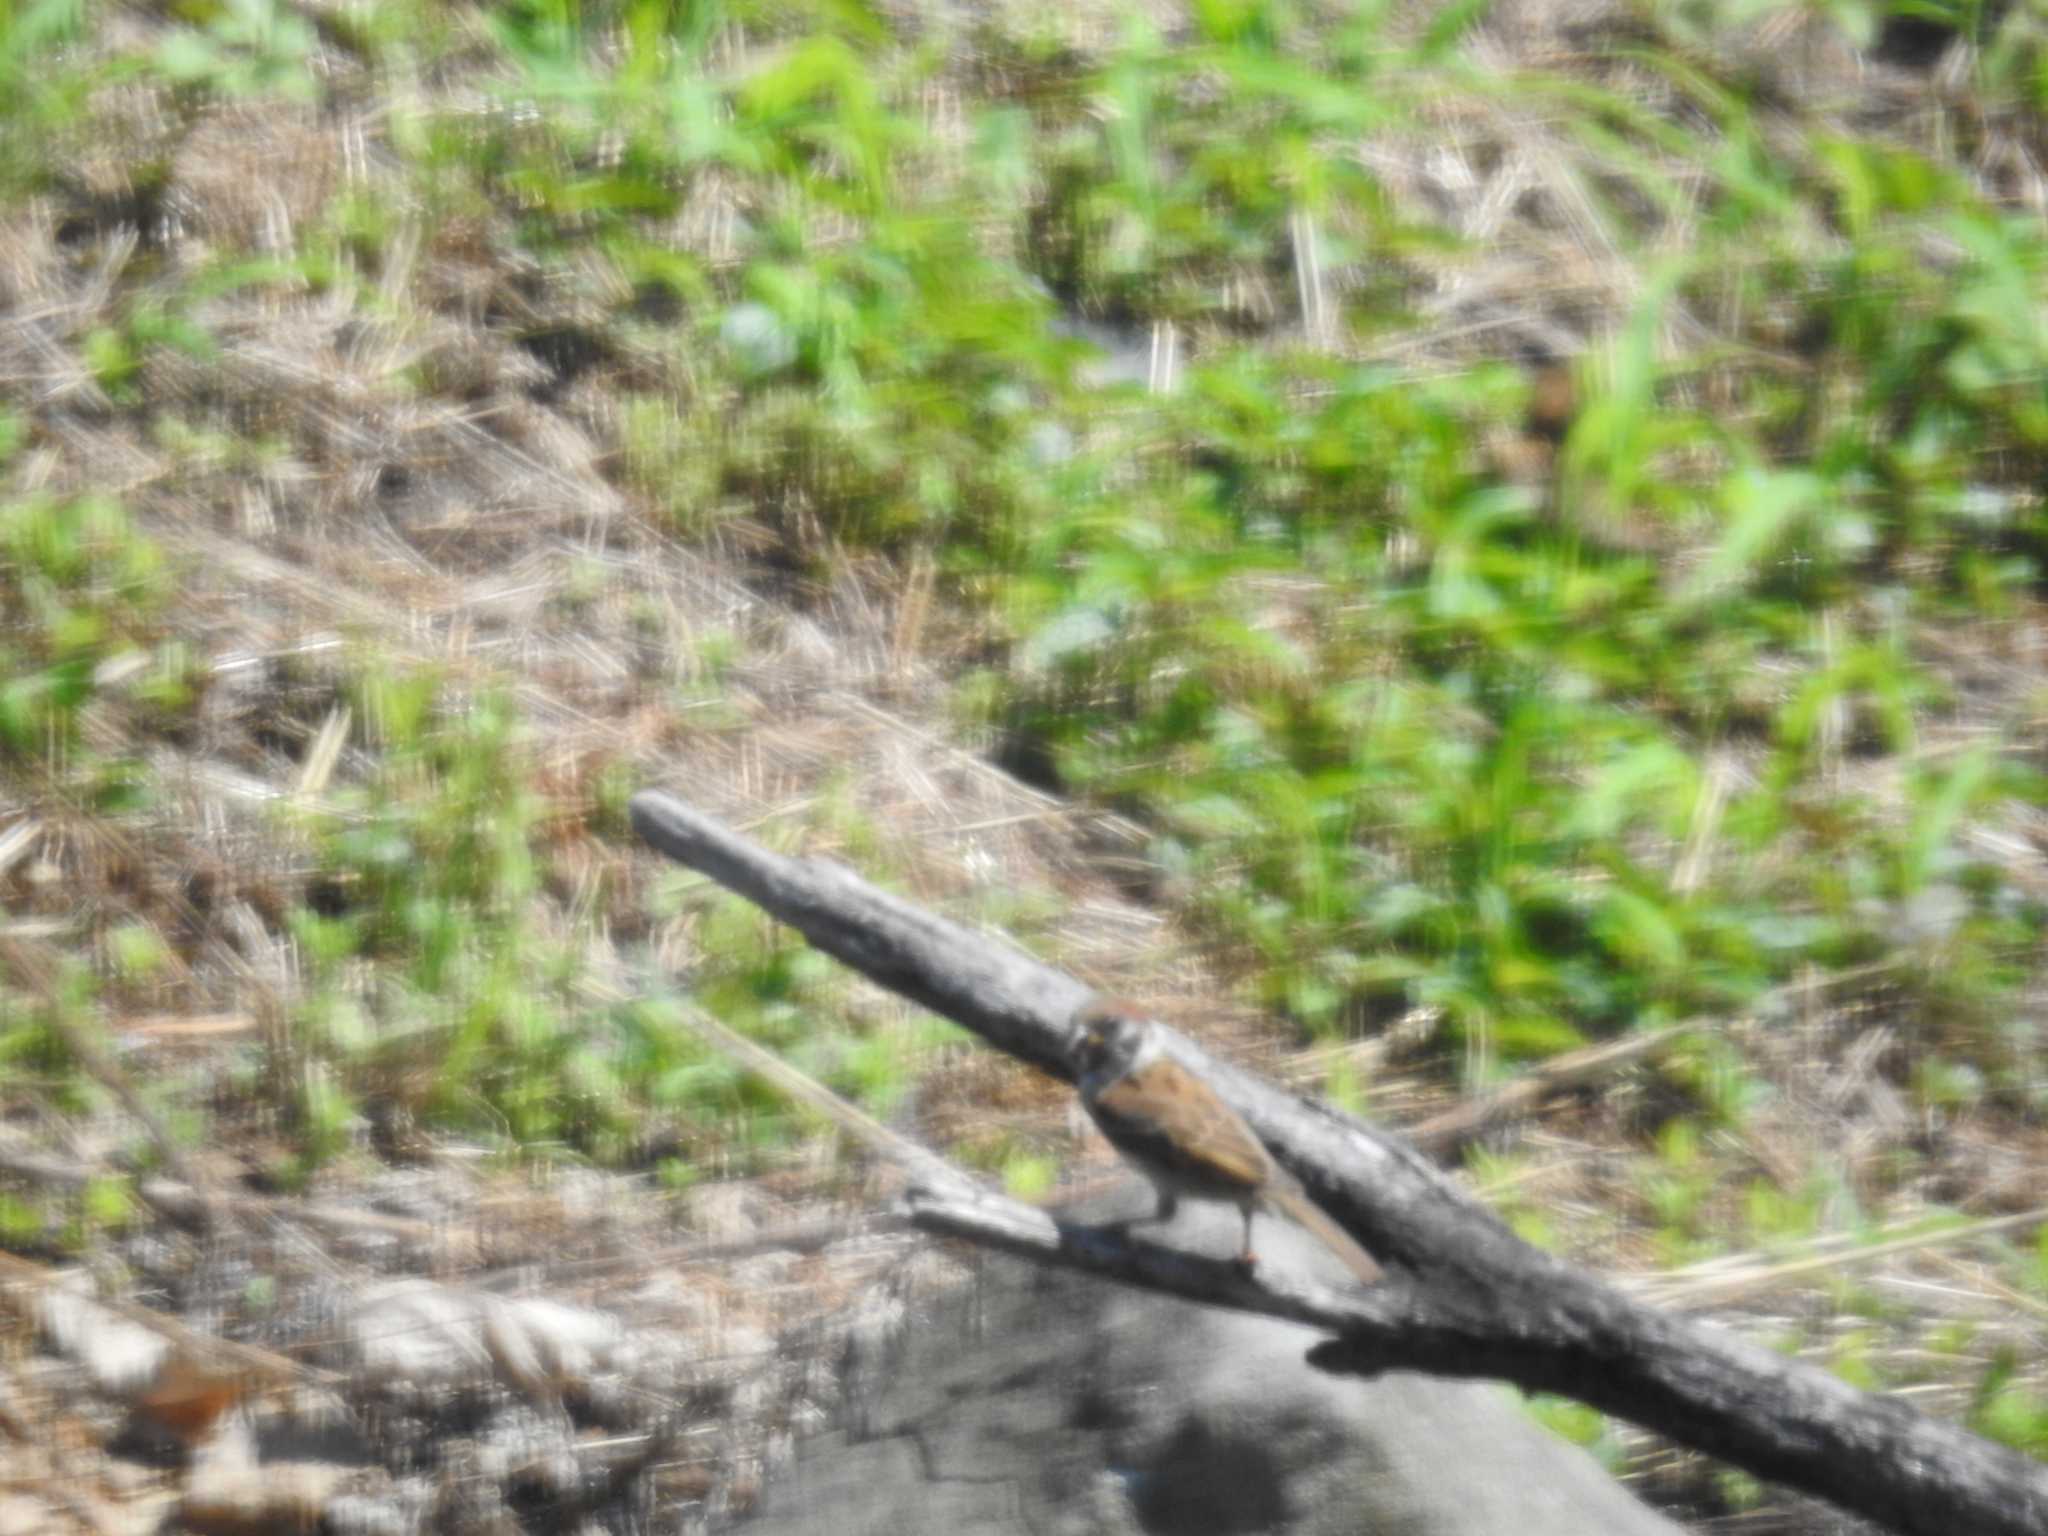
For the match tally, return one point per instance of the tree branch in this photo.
(997, 1221)
(1469, 1298)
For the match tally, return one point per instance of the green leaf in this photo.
(1639, 931)
(1939, 811)
(1760, 508)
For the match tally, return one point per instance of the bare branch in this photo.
(996, 1221)
(1017, 1003)
(1468, 1299)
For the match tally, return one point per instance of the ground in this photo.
(1420, 543)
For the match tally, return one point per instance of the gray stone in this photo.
(1050, 1404)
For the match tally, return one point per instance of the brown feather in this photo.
(1182, 1136)
(1154, 1115)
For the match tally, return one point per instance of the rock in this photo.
(1048, 1402)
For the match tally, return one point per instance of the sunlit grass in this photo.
(1415, 729)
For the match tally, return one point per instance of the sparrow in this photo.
(1174, 1129)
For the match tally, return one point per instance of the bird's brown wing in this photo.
(1167, 1116)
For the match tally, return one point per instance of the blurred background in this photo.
(1420, 540)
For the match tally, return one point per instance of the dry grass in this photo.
(427, 471)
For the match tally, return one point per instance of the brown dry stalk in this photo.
(911, 1156)
(257, 1366)
(1714, 1289)
(1463, 1121)
(30, 962)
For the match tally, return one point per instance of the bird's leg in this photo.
(1247, 1258)
(1167, 1203)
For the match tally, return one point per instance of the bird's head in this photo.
(1114, 1035)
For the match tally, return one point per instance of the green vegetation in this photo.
(1437, 701)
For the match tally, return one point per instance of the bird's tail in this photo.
(1296, 1203)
